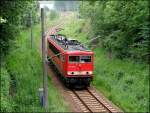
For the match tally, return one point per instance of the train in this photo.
(72, 59)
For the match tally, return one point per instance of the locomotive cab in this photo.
(80, 67)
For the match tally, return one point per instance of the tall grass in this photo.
(124, 82)
(25, 67)
(5, 97)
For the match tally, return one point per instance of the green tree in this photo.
(13, 15)
(122, 25)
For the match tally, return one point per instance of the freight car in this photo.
(73, 60)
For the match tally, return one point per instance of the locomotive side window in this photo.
(54, 49)
(85, 59)
(74, 58)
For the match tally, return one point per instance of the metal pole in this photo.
(45, 96)
(31, 29)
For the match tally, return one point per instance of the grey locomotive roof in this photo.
(68, 44)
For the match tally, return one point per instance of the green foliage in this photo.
(73, 28)
(122, 25)
(12, 10)
(26, 77)
(128, 78)
(30, 12)
(5, 97)
(8, 32)
(24, 66)
(53, 14)
(16, 16)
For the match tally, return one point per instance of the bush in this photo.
(5, 85)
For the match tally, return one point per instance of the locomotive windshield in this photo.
(74, 58)
(81, 59)
(85, 59)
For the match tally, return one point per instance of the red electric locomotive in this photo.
(71, 58)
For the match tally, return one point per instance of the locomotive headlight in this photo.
(90, 72)
(71, 73)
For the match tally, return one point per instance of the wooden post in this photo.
(45, 96)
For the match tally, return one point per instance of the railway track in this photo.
(90, 101)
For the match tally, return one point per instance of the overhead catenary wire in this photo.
(88, 41)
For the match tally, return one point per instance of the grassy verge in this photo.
(24, 67)
(123, 81)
